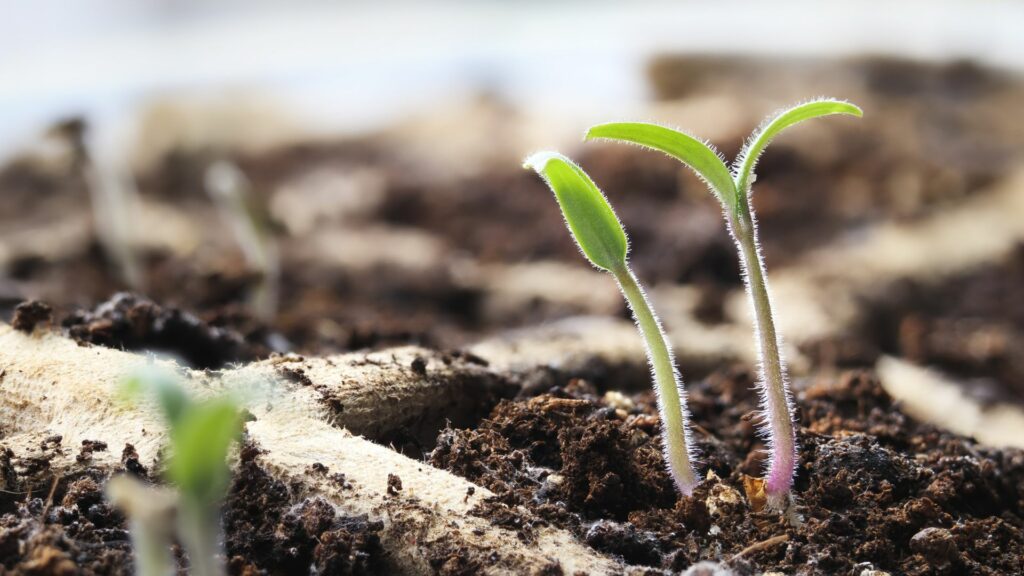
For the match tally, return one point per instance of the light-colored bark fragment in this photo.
(929, 396)
(51, 386)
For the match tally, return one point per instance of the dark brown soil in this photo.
(52, 525)
(131, 322)
(875, 488)
(270, 530)
(28, 315)
(970, 326)
(64, 525)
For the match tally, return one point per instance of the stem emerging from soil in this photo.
(776, 400)
(669, 388)
(199, 530)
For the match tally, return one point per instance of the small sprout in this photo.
(114, 198)
(733, 190)
(230, 191)
(600, 236)
(150, 512)
(115, 206)
(201, 433)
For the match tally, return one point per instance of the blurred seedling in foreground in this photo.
(601, 238)
(231, 192)
(733, 190)
(200, 432)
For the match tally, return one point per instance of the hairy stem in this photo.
(671, 397)
(775, 398)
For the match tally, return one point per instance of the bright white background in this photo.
(350, 66)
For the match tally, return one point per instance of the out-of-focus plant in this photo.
(201, 433)
(601, 238)
(230, 191)
(733, 190)
(150, 512)
(114, 199)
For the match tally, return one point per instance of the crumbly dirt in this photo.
(970, 326)
(58, 525)
(65, 526)
(875, 488)
(132, 322)
(272, 530)
(30, 314)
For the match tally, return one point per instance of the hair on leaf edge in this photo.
(741, 158)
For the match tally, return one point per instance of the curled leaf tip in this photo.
(538, 161)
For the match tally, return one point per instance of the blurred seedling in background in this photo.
(200, 434)
(231, 192)
(114, 199)
(601, 238)
(733, 190)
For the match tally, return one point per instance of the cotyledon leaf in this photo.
(747, 160)
(593, 223)
(699, 156)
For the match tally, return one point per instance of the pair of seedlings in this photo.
(600, 236)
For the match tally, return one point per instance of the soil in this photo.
(64, 525)
(876, 489)
(970, 326)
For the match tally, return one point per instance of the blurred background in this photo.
(319, 176)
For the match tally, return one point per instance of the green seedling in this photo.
(201, 433)
(150, 512)
(601, 238)
(733, 190)
(230, 191)
(114, 199)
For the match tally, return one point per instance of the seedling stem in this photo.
(601, 238)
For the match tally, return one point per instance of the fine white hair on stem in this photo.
(772, 428)
(656, 342)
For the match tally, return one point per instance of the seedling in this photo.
(733, 190)
(150, 512)
(201, 432)
(230, 191)
(601, 238)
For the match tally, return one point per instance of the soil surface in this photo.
(970, 326)
(63, 525)
(933, 136)
(876, 489)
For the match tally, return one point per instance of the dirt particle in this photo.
(936, 545)
(30, 314)
(625, 541)
(88, 448)
(419, 366)
(295, 375)
(131, 322)
(130, 462)
(394, 484)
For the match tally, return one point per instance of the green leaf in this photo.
(200, 441)
(745, 162)
(163, 384)
(591, 220)
(698, 156)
